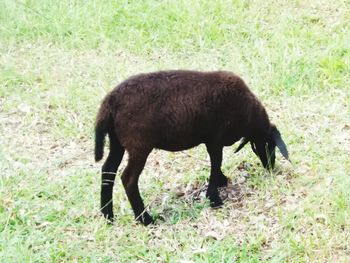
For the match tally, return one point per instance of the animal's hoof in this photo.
(215, 202)
(109, 218)
(110, 221)
(145, 219)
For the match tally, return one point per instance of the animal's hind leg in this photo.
(217, 178)
(109, 170)
(130, 180)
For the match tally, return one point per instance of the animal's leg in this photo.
(221, 179)
(109, 170)
(217, 178)
(216, 157)
(130, 180)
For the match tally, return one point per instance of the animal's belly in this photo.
(176, 147)
(179, 142)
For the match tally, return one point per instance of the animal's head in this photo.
(264, 147)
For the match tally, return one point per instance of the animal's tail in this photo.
(102, 126)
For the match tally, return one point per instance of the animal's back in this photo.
(176, 110)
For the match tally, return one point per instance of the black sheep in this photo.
(175, 111)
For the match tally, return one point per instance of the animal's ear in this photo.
(276, 136)
(254, 148)
(244, 141)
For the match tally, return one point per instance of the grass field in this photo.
(59, 59)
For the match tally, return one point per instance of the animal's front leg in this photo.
(216, 178)
(221, 179)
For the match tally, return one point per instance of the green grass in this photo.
(59, 58)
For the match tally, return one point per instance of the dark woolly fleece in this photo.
(174, 111)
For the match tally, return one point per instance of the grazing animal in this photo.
(175, 111)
